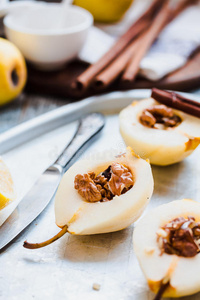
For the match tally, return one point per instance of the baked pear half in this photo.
(159, 133)
(84, 217)
(102, 194)
(167, 245)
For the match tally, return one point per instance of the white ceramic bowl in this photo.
(48, 35)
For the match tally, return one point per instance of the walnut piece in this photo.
(87, 188)
(121, 179)
(182, 237)
(147, 119)
(115, 180)
(101, 182)
(161, 110)
(159, 114)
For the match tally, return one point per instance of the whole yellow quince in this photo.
(13, 71)
(105, 10)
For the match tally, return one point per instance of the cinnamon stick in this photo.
(177, 101)
(83, 81)
(152, 33)
(107, 76)
(163, 18)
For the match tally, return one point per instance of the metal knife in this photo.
(44, 189)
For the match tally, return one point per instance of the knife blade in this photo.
(45, 187)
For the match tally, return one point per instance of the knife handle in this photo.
(88, 127)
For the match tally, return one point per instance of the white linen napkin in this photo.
(170, 51)
(97, 44)
(174, 45)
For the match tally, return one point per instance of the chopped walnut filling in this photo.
(115, 180)
(181, 237)
(159, 115)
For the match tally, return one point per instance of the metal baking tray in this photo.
(68, 268)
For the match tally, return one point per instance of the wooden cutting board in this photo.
(57, 83)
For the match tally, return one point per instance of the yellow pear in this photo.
(12, 71)
(160, 146)
(105, 10)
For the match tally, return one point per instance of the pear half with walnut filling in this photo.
(178, 274)
(83, 217)
(161, 146)
(78, 216)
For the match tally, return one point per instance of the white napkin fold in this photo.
(174, 45)
(170, 51)
(97, 44)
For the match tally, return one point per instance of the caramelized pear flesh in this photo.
(176, 274)
(160, 146)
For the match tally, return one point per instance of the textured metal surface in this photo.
(88, 127)
(68, 268)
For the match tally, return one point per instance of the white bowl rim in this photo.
(8, 23)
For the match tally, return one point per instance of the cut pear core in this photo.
(116, 179)
(159, 117)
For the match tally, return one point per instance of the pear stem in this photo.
(161, 290)
(48, 242)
